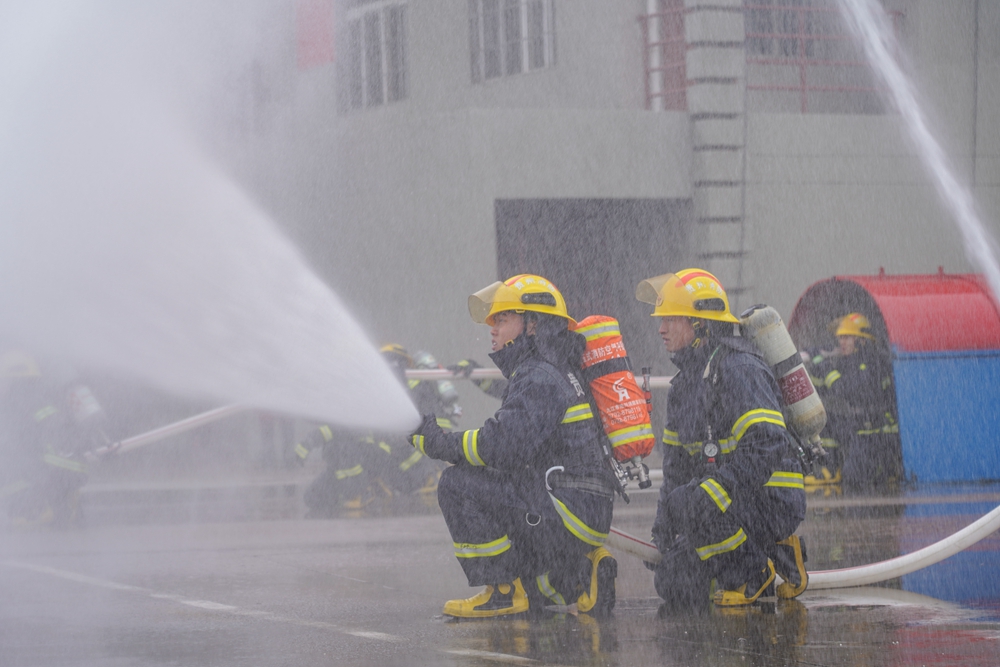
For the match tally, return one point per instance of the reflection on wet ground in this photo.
(367, 589)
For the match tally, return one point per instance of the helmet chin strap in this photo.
(700, 331)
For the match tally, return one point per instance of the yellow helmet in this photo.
(854, 324)
(520, 293)
(688, 293)
(397, 355)
(18, 364)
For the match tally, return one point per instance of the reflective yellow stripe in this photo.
(408, 463)
(792, 480)
(577, 413)
(13, 487)
(623, 436)
(828, 443)
(888, 428)
(574, 525)
(412, 383)
(384, 446)
(760, 416)
(349, 472)
(727, 445)
(301, 451)
(717, 493)
(831, 377)
(671, 438)
(418, 442)
(470, 447)
(494, 548)
(599, 330)
(444, 422)
(47, 411)
(327, 433)
(65, 464)
(548, 590)
(729, 544)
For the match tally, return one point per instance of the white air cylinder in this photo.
(803, 408)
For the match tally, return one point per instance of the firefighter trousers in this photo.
(505, 526)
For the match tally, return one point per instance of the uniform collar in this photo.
(510, 356)
(693, 357)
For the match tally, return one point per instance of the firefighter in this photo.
(732, 493)
(361, 469)
(857, 391)
(442, 393)
(488, 386)
(51, 422)
(528, 500)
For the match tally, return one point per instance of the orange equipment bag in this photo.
(622, 406)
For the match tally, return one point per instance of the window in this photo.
(375, 66)
(510, 37)
(792, 28)
(801, 56)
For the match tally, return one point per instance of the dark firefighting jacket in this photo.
(725, 390)
(858, 394)
(545, 421)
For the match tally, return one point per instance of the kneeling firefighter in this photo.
(733, 491)
(529, 499)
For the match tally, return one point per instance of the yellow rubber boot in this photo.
(741, 596)
(600, 596)
(787, 589)
(497, 600)
(825, 477)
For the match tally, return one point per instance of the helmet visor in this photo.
(482, 301)
(648, 291)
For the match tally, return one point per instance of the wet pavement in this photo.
(227, 573)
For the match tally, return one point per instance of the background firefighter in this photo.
(732, 492)
(857, 389)
(529, 499)
(363, 468)
(49, 422)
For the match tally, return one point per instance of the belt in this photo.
(558, 478)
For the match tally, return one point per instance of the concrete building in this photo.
(421, 149)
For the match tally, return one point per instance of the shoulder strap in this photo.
(711, 372)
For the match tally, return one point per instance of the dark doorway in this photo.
(596, 251)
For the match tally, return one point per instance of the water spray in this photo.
(868, 22)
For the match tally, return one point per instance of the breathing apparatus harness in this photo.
(711, 449)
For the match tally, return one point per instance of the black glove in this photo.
(431, 439)
(464, 367)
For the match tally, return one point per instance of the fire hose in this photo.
(850, 577)
(625, 543)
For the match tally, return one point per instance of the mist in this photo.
(130, 250)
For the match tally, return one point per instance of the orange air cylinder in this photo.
(617, 396)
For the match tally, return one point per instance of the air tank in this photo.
(803, 407)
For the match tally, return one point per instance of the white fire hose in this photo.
(163, 432)
(629, 544)
(850, 577)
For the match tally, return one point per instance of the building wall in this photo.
(842, 194)
(395, 205)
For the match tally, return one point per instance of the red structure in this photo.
(913, 313)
